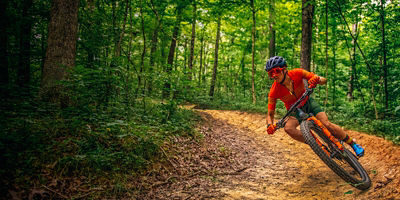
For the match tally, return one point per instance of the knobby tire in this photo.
(363, 184)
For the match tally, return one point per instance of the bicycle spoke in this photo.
(338, 156)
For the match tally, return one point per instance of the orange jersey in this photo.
(279, 91)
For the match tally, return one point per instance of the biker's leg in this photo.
(290, 129)
(337, 131)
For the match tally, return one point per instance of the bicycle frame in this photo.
(282, 122)
(327, 147)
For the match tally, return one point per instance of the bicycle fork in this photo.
(326, 132)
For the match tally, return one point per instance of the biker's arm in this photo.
(271, 110)
(308, 75)
(270, 116)
(322, 80)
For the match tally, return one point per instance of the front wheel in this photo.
(342, 162)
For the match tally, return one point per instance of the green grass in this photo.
(41, 142)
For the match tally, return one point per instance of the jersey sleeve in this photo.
(303, 73)
(307, 75)
(272, 98)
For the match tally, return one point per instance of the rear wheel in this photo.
(342, 162)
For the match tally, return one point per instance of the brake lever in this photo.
(280, 124)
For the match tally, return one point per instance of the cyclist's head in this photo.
(275, 61)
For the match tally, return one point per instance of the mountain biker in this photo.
(289, 87)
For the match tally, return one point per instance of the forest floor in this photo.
(236, 159)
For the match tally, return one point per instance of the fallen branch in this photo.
(237, 172)
(165, 182)
(59, 194)
(165, 154)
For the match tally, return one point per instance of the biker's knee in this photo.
(329, 125)
(289, 130)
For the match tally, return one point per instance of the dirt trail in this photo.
(238, 160)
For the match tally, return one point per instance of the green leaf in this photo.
(397, 109)
(349, 192)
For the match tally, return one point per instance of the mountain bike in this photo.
(331, 151)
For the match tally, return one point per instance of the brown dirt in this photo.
(236, 159)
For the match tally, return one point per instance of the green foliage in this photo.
(92, 138)
(118, 119)
(358, 116)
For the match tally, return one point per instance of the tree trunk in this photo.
(192, 40)
(365, 60)
(3, 43)
(167, 84)
(25, 45)
(306, 40)
(92, 39)
(272, 28)
(214, 75)
(144, 47)
(185, 55)
(153, 49)
(334, 73)
(385, 68)
(118, 46)
(253, 49)
(61, 49)
(206, 62)
(201, 58)
(352, 68)
(326, 51)
(242, 67)
(333, 45)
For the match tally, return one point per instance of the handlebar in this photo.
(281, 123)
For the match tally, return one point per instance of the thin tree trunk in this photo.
(192, 40)
(271, 10)
(61, 49)
(114, 21)
(385, 67)
(214, 75)
(176, 54)
(201, 57)
(306, 39)
(118, 46)
(185, 56)
(91, 37)
(206, 62)
(334, 73)
(3, 43)
(167, 84)
(154, 43)
(365, 60)
(333, 44)
(253, 49)
(163, 53)
(242, 79)
(352, 68)
(144, 48)
(326, 51)
(25, 46)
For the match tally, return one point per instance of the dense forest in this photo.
(94, 88)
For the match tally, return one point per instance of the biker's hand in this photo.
(312, 83)
(271, 129)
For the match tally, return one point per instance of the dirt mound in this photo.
(236, 159)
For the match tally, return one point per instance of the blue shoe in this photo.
(357, 149)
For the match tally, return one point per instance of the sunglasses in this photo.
(272, 72)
